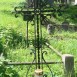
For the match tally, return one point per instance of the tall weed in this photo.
(10, 38)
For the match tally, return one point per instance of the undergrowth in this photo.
(13, 42)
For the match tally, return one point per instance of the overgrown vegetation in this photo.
(10, 38)
(13, 41)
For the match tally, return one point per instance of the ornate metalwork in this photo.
(36, 11)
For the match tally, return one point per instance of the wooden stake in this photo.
(38, 73)
(68, 61)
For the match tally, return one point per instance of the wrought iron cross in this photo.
(36, 11)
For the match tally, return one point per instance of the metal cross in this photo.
(36, 11)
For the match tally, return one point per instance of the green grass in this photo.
(6, 16)
(65, 42)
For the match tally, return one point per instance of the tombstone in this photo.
(71, 2)
(68, 61)
(75, 28)
(65, 25)
(75, 2)
(50, 28)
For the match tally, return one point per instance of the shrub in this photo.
(7, 71)
(10, 38)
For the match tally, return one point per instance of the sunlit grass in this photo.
(63, 41)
